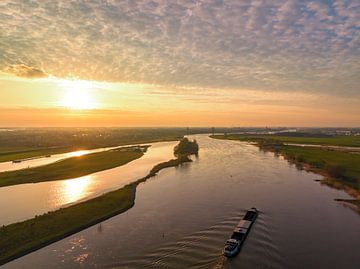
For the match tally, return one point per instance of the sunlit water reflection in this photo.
(28, 200)
(76, 189)
(183, 216)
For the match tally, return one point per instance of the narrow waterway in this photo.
(44, 160)
(183, 216)
(28, 200)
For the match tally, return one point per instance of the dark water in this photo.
(183, 216)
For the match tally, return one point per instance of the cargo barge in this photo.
(234, 243)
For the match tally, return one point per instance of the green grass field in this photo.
(342, 165)
(346, 141)
(21, 238)
(10, 154)
(70, 168)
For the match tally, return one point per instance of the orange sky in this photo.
(57, 102)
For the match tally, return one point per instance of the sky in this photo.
(180, 63)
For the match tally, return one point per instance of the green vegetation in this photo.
(345, 141)
(182, 152)
(340, 165)
(33, 142)
(186, 147)
(71, 167)
(11, 154)
(342, 168)
(21, 238)
(24, 237)
(171, 163)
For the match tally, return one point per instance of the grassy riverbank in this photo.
(171, 163)
(341, 169)
(344, 141)
(21, 238)
(339, 165)
(71, 167)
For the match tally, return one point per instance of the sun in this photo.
(78, 94)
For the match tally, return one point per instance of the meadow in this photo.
(339, 165)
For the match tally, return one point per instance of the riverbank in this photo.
(34, 142)
(21, 238)
(352, 203)
(72, 167)
(340, 169)
(171, 163)
(13, 154)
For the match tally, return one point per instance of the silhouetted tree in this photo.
(186, 147)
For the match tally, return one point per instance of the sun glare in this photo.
(76, 189)
(78, 94)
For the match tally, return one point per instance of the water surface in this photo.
(183, 216)
(28, 200)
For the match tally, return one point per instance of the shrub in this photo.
(186, 147)
(300, 158)
(336, 171)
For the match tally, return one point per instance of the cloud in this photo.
(285, 45)
(24, 71)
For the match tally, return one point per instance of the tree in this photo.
(186, 147)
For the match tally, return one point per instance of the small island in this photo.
(186, 147)
(182, 151)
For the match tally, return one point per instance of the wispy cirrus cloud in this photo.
(282, 45)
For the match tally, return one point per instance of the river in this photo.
(183, 216)
(28, 200)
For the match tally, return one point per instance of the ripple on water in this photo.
(203, 249)
(197, 205)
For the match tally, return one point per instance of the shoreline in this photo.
(26, 153)
(73, 167)
(56, 238)
(31, 246)
(328, 180)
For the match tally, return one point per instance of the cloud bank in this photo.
(282, 45)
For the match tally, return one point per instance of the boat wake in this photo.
(203, 249)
